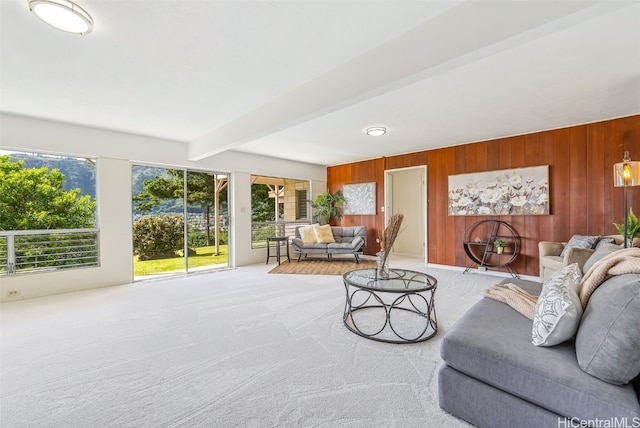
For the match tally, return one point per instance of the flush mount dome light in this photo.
(63, 14)
(376, 131)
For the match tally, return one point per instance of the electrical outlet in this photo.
(13, 293)
(482, 268)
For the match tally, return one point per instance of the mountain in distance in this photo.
(81, 174)
(78, 173)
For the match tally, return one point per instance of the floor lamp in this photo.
(626, 174)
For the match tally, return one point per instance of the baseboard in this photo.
(486, 272)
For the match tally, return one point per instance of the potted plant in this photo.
(499, 245)
(633, 226)
(327, 205)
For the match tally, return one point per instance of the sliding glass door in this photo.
(207, 221)
(179, 221)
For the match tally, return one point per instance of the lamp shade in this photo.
(626, 173)
(63, 15)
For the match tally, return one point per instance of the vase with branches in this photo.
(386, 241)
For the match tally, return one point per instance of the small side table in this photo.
(278, 240)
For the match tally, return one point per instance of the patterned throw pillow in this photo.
(580, 241)
(558, 310)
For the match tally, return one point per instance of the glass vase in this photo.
(382, 270)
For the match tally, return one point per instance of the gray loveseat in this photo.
(493, 376)
(348, 240)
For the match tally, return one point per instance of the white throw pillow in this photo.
(558, 310)
(308, 234)
(324, 235)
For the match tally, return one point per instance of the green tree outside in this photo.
(34, 198)
(158, 237)
(262, 206)
(203, 190)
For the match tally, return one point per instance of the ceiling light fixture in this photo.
(63, 14)
(376, 131)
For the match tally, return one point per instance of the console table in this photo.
(479, 245)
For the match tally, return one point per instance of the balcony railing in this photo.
(28, 251)
(261, 230)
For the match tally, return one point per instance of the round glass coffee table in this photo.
(398, 309)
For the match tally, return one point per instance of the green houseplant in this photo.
(499, 244)
(633, 226)
(327, 205)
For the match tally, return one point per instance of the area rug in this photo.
(322, 267)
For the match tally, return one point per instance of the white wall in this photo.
(116, 153)
(241, 213)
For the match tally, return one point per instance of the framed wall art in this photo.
(519, 191)
(360, 199)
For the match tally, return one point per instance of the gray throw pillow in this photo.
(598, 255)
(604, 241)
(608, 339)
(557, 314)
(580, 241)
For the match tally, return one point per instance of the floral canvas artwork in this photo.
(360, 199)
(520, 191)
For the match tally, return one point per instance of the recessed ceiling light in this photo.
(63, 14)
(376, 131)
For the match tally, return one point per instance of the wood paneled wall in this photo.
(361, 172)
(582, 197)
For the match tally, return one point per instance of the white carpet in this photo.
(232, 348)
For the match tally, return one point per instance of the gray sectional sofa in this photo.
(348, 240)
(492, 375)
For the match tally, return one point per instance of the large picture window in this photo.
(47, 213)
(278, 206)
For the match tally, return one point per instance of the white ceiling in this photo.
(301, 80)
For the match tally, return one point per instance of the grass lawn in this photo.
(204, 257)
